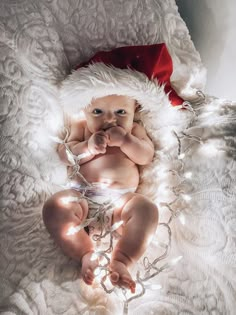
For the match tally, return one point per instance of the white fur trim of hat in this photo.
(98, 80)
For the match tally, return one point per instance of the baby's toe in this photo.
(129, 283)
(132, 286)
(88, 277)
(114, 277)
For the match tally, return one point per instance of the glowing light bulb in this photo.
(186, 197)
(153, 287)
(188, 175)
(97, 271)
(181, 156)
(94, 257)
(116, 225)
(159, 243)
(104, 185)
(71, 231)
(119, 202)
(56, 139)
(67, 200)
(212, 107)
(101, 274)
(174, 261)
(212, 148)
(72, 184)
(84, 155)
(155, 242)
(182, 219)
(74, 229)
(70, 157)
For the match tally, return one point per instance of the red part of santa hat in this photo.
(145, 78)
(152, 60)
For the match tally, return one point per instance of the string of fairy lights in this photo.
(150, 268)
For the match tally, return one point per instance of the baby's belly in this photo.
(113, 169)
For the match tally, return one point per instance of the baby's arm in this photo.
(135, 144)
(75, 142)
(138, 146)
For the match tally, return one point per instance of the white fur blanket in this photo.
(40, 43)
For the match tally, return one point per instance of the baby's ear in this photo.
(138, 107)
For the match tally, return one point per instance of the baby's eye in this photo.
(97, 111)
(121, 112)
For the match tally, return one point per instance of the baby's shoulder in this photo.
(77, 129)
(78, 123)
(137, 125)
(140, 132)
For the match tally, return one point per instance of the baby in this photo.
(117, 146)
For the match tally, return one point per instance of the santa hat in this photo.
(140, 72)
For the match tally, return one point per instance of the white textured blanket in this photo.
(40, 42)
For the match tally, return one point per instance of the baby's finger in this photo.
(101, 147)
(101, 150)
(101, 133)
(101, 141)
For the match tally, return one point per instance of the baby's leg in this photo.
(59, 216)
(140, 218)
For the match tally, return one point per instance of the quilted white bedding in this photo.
(40, 42)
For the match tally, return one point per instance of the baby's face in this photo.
(110, 111)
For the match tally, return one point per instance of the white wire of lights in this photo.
(150, 268)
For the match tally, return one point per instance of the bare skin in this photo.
(117, 147)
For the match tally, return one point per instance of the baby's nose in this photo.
(110, 117)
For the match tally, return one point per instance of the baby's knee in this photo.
(143, 208)
(64, 207)
(50, 209)
(148, 210)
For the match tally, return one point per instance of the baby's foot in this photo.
(120, 276)
(88, 267)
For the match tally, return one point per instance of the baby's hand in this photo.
(97, 143)
(116, 136)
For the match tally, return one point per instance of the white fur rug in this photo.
(40, 43)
